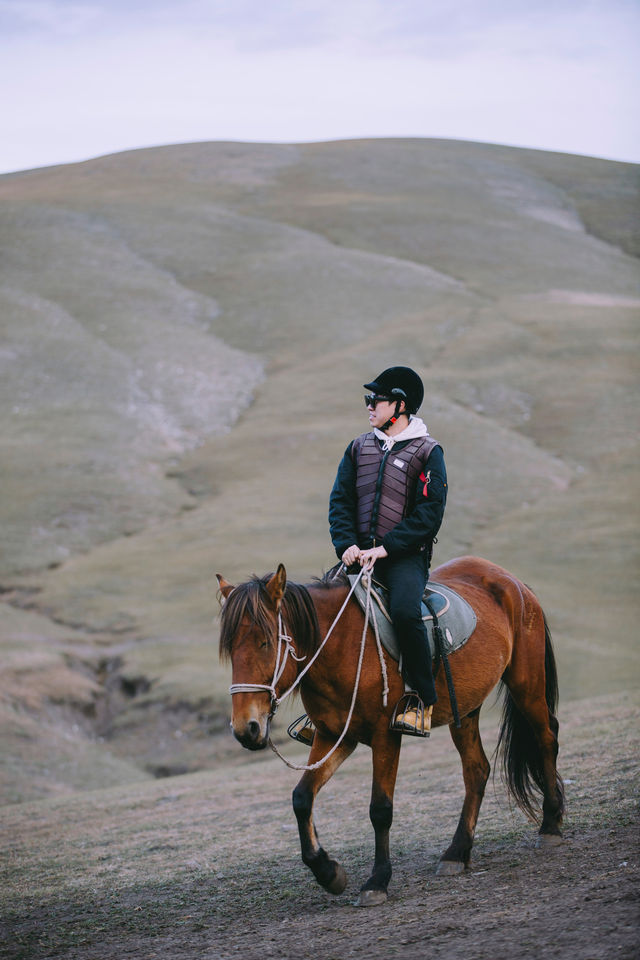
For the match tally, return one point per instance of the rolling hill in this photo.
(185, 334)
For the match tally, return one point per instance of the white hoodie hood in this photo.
(417, 428)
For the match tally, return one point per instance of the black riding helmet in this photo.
(399, 383)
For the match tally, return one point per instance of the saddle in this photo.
(440, 605)
(444, 611)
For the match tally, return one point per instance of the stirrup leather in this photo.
(302, 730)
(411, 717)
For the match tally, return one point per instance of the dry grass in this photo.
(208, 864)
(185, 291)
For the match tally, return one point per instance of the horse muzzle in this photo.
(252, 733)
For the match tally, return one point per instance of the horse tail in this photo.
(522, 758)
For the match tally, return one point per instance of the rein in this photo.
(286, 649)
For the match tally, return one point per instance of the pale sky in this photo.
(81, 78)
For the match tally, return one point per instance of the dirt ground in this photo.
(207, 865)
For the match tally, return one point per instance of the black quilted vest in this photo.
(385, 483)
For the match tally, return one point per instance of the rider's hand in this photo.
(351, 555)
(368, 557)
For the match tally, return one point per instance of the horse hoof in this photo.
(449, 868)
(371, 898)
(339, 881)
(547, 841)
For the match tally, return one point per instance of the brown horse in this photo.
(511, 642)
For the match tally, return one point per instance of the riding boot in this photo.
(410, 716)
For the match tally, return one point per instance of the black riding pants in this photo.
(405, 578)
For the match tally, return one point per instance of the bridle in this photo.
(286, 649)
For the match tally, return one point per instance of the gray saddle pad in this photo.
(455, 617)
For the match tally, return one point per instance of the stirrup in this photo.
(411, 717)
(302, 730)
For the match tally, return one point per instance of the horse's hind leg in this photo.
(327, 872)
(529, 732)
(553, 803)
(386, 754)
(532, 758)
(475, 771)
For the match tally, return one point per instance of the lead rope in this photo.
(318, 763)
(383, 665)
(278, 700)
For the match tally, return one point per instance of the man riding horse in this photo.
(386, 507)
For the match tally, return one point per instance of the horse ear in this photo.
(277, 585)
(225, 587)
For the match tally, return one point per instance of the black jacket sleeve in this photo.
(342, 505)
(423, 522)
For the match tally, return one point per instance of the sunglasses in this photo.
(371, 399)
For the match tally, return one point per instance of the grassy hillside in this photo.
(186, 334)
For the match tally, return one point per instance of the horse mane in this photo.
(335, 577)
(252, 600)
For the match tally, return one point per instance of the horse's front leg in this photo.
(327, 872)
(386, 755)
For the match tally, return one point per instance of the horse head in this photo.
(249, 638)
